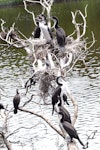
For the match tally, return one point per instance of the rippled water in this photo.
(84, 83)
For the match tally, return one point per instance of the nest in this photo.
(45, 83)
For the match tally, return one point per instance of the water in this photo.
(84, 82)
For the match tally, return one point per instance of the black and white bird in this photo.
(68, 128)
(16, 101)
(60, 91)
(63, 89)
(60, 34)
(1, 106)
(47, 34)
(55, 98)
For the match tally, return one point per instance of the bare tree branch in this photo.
(44, 118)
(25, 6)
(4, 130)
(8, 145)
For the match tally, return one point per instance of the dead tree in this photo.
(45, 4)
(58, 64)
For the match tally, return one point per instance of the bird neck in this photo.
(17, 91)
(57, 81)
(62, 119)
(56, 24)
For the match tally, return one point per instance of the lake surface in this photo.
(84, 82)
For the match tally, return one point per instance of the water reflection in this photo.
(84, 81)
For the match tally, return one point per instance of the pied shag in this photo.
(63, 86)
(47, 34)
(55, 98)
(59, 92)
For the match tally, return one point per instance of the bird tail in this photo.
(15, 111)
(80, 142)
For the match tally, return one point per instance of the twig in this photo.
(15, 131)
(28, 100)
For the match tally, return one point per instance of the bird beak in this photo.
(52, 112)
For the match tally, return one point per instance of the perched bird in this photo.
(63, 89)
(47, 34)
(16, 101)
(59, 92)
(60, 33)
(55, 97)
(59, 108)
(68, 128)
(1, 106)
